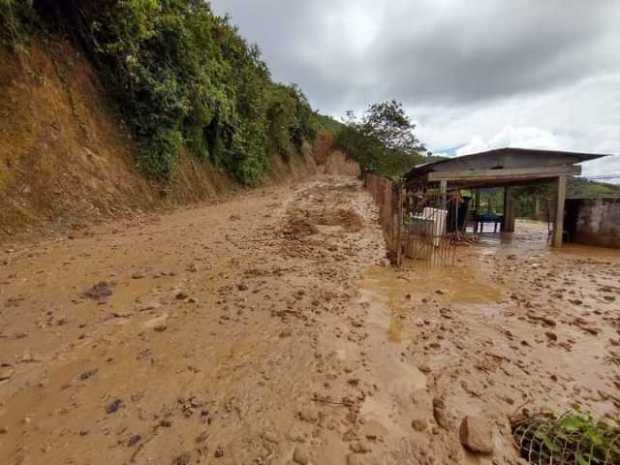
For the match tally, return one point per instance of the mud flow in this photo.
(271, 330)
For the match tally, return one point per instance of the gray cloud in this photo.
(466, 69)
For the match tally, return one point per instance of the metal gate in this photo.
(430, 225)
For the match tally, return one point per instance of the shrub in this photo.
(181, 75)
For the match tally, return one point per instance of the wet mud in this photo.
(271, 330)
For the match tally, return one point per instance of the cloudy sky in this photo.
(473, 74)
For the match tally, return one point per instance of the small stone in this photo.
(135, 439)
(192, 268)
(6, 373)
(425, 369)
(360, 447)
(4, 430)
(355, 459)
(183, 459)
(99, 291)
(88, 374)
(300, 456)
(113, 406)
(551, 336)
(181, 295)
(308, 415)
(219, 452)
(476, 435)
(270, 437)
(160, 328)
(419, 424)
(137, 275)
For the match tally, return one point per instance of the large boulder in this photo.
(476, 435)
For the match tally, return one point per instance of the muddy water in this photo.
(456, 285)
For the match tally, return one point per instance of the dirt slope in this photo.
(62, 152)
(66, 159)
(268, 330)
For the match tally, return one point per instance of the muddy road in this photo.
(269, 330)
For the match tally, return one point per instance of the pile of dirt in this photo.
(348, 219)
(298, 228)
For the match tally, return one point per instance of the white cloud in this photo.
(532, 138)
(584, 117)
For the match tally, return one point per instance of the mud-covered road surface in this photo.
(269, 330)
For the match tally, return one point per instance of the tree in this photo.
(382, 140)
(389, 123)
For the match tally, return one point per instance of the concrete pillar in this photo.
(558, 230)
(509, 211)
(443, 188)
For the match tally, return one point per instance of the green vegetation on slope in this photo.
(382, 141)
(182, 76)
(585, 189)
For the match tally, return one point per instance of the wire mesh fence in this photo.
(570, 439)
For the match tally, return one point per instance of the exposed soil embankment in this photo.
(66, 158)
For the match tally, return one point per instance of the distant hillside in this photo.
(579, 188)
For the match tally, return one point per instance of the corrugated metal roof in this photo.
(581, 157)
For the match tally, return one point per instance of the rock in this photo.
(360, 447)
(183, 459)
(27, 357)
(476, 435)
(300, 456)
(419, 424)
(181, 295)
(440, 413)
(137, 275)
(4, 430)
(551, 336)
(88, 374)
(160, 328)
(99, 291)
(219, 452)
(135, 439)
(308, 415)
(355, 459)
(270, 437)
(192, 268)
(6, 373)
(113, 406)
(425, 369)
(242, 287)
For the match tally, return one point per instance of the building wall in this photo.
(595, 222)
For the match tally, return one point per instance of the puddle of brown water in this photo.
(448, 284)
